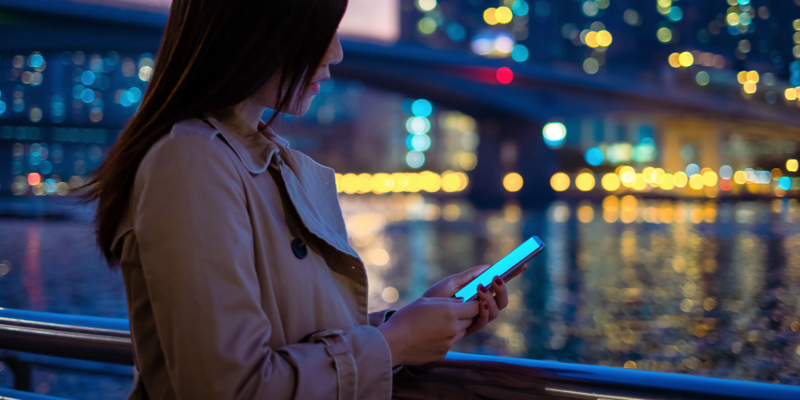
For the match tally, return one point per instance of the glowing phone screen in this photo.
(499, 268)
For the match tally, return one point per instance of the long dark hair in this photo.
(214, 54)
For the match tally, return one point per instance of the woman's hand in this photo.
(491, 301)
(425, 330)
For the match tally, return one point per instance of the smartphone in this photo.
(503, 268)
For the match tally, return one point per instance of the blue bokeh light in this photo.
(45, 167)
(594, 156)
(785, 183)
(692, 169)
(456, 32)
(520, 7)
(2, 107)
(675, 14)
(87, 95)
(519, 53)
(37, 60)
(87, 78)
(421, 108)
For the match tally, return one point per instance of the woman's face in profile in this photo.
(267, 96)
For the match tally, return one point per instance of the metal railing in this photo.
(458, 376)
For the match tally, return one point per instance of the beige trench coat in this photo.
(220, 298)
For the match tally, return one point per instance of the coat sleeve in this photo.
(197, 255)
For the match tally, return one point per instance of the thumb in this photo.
(462, 279)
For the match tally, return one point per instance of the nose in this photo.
(335, 53)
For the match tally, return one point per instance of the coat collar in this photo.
(311, 187)
(254, 148)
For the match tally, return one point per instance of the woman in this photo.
(240, 281)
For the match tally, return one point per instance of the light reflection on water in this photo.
(697, 287)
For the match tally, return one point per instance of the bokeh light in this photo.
(504, 75)
(610, 182)
(560, 182)
(594, 156)
(554, 133)
(512, 182)
(585, 181)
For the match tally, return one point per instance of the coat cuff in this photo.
(374, 362)
(379, 317)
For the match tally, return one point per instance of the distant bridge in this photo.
(456, 80)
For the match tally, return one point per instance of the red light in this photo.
(725, 184)
(34, 179)
(504, 75)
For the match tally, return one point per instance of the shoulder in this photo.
(190, 146)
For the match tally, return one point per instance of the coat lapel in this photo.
(310, 186)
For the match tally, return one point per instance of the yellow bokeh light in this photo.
(430, 182)
(640, 183)
(668, 182)
(585, 214)
(585, 181)
(790, 94)
(647, 172)
(749, 87)
(604, 38)
(611, 202)
(426, 5)
(628, 203)
(742, 77)
(610, 182)
(664, 35)
(674, 60)
(467, 161)
(489, 16)
(791, 165)
(414, 184)
(628, 179)
(364, 183)
(752, 76)
(740, 177)
(513, 182)
(559, 182)
(381, 183)
(450, 181)
(591, 39)
(503, 15)
(399, 182)
(733, 19)
(350, 183)
(710, 178)
(627, 176)
(686, 59)
(657, 176)
(338, 183)
(681, 179)
(696, 182)
(426, 25)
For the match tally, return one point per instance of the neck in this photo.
(249, 112)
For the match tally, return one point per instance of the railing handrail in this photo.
(458, 376)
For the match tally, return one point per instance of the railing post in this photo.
(21, 371)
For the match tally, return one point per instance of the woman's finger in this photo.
(481, 320)
(500, 292)
(517, 272)
(487, 297)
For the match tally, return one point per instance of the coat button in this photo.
(299, 249)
